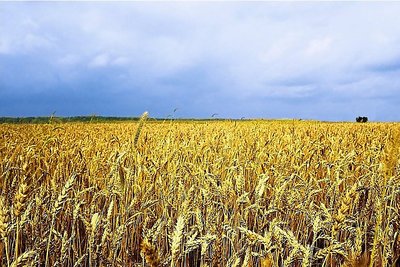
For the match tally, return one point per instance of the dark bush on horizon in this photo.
(361, 119)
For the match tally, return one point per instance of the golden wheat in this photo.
(190, 193)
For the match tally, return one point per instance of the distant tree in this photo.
(361, 119)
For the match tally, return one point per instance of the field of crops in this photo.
(231, 193)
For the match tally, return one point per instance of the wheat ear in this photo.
(20, 202)
(4, 223)
(149, 253)
(57, 208)
(176, 239)
(142, 120)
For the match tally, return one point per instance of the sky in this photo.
(329, 61)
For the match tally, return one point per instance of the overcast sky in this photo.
(310, 60)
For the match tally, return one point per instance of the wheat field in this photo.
(200, 193)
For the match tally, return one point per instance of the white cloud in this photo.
(120, 61)
(4, 47)
(318, 46)
(34, 41)
(101, 60)
(69, 59)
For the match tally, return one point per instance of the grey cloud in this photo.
(268, 58)
(392, 65)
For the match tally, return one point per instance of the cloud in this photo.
(99, 61)
(120, 61)
(392, 65)
(69, 59)
(319, 46)
(205, 56)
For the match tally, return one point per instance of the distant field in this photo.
(201, 193)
